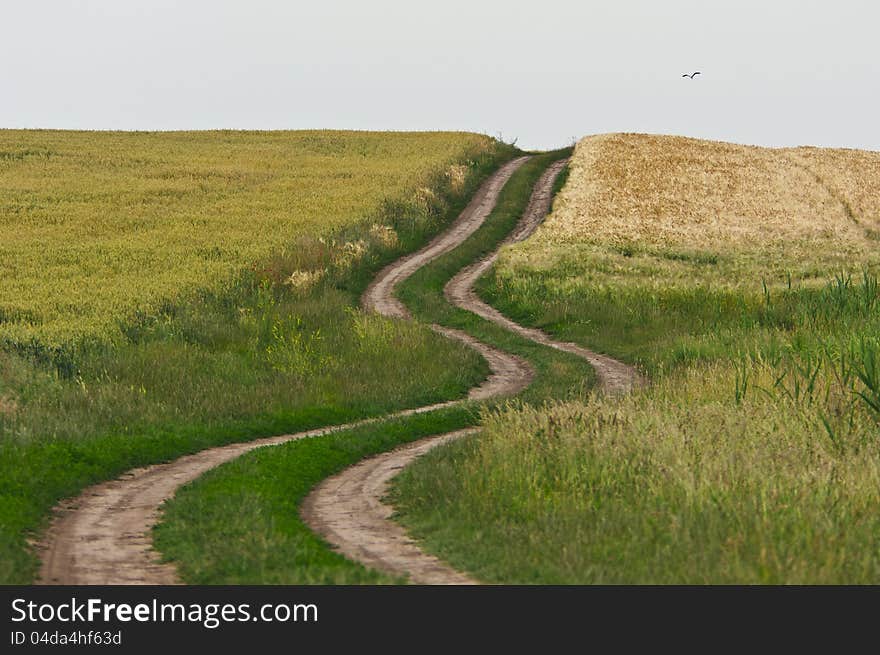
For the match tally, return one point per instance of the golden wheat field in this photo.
(670, 196)
(94, 225)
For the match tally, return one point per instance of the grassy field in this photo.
(270, 342)
(744, 282)
(255, 535)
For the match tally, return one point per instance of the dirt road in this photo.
(103, 535)
(614, 376)
(347, 509)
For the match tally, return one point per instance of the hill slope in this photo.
(803, 211)
(675, 191)
(744, 282)
(97, 225)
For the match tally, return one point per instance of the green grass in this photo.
(677, 485)
(240, 523)
(259, 357)
(219, 542)
(753, 457)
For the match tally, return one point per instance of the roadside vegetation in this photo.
(255, 535)
(743, 281)
(267, 339)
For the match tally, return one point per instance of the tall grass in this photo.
(760, 465)
(754, 454)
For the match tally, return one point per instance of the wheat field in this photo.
(97, 225)
(655, 201)
(662, 191)
(161, 293)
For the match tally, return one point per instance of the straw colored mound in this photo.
(852, 176)
(661, 191)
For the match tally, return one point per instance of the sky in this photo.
(774, 72)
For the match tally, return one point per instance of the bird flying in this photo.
(692, 75)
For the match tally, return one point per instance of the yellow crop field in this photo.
(658, 199)
(94, 225)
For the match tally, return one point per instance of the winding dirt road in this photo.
(348, 509)
(614, 376)
(103, 535)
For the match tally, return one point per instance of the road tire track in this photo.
(614, 376)
(348, 509)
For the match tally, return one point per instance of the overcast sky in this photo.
(775, 72)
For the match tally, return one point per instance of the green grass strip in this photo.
(240, 523)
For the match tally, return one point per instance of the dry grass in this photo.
(851, 176)
(8, 406)
(659, 191)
